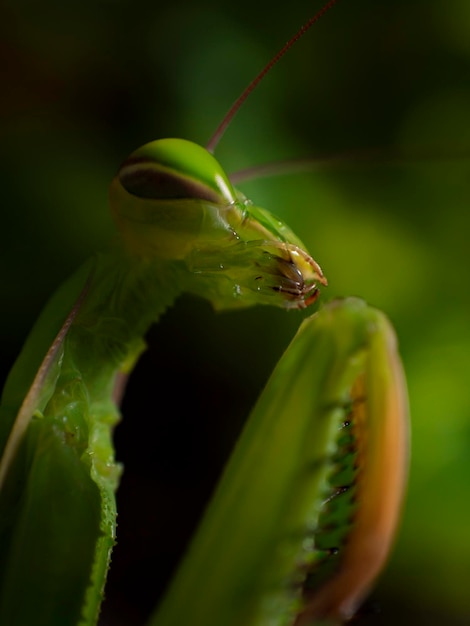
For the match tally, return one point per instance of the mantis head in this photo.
(173, 202)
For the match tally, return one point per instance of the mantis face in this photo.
(172, 201)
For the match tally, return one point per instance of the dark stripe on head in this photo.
(144, 178)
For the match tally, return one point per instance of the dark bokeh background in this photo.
(84, 83)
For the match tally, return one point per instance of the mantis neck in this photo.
(125, 296)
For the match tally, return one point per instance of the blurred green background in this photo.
(84, 83)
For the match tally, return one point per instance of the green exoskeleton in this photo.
(305, 512)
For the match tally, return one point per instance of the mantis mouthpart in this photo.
(306, 510)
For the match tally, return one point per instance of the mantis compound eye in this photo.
(171, 169)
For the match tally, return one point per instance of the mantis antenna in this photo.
(217, 136)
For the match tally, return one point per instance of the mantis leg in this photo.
(262, 541)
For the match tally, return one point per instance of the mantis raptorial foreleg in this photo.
(290, 487)
(306, 510)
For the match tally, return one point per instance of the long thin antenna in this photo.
(369, 157)
(216, 137)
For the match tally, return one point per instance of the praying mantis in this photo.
(184, 228)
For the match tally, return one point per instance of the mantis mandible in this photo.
(306, 509)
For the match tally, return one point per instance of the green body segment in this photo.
(58, 473)
(57, 501)
(369, 509)
(259, 531)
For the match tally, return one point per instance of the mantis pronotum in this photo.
(314, 487)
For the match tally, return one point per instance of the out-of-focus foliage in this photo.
(84, 83)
